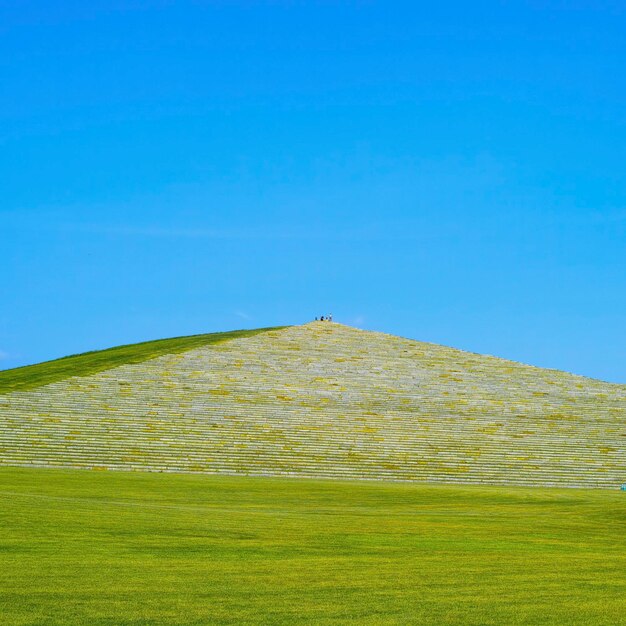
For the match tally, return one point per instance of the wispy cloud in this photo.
(163, 232)
(349, 232)
(4, 355)
(243, 315)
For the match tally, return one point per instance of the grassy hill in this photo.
(138, 548)
(318, 400)
(31, 376)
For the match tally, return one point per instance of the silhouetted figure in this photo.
(322, 318)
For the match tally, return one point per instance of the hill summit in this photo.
(324, 400)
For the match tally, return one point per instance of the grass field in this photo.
(80, 547)
(32, 376)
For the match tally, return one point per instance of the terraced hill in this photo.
(326, 400)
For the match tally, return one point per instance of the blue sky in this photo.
(452, 173)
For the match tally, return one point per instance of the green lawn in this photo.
(80, 547)
(30, 376)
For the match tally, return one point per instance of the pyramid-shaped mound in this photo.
(326, 400)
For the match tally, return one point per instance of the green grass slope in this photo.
(31, 376)
(329, 401)
(129, 549)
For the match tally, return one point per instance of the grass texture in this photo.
(117, 548)
(32, 376)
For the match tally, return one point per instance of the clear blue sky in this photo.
(451, 172)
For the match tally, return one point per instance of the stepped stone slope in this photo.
(326, 400)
